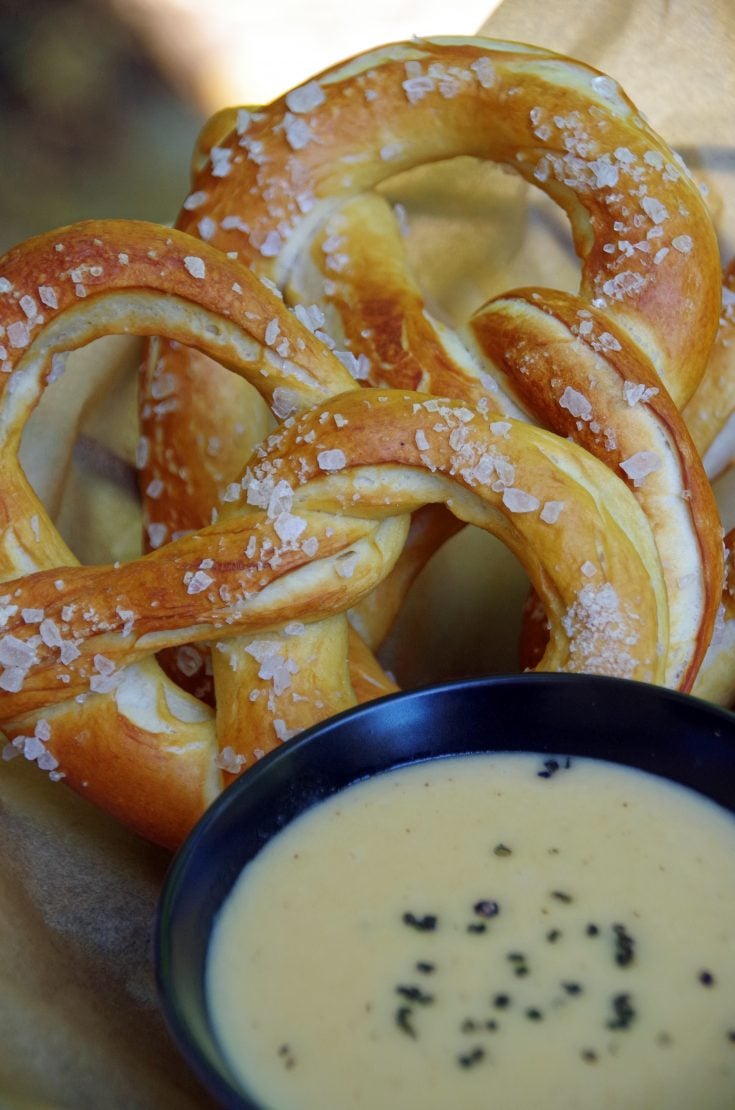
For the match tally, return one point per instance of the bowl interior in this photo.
(647, 727)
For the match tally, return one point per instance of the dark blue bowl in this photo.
(673, 735)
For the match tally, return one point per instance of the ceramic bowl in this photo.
(673, 735)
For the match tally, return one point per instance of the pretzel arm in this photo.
(575, 373)
(563, 126)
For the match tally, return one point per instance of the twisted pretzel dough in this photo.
(277, 186)
(318, 519)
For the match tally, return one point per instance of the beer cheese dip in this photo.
(503, 930)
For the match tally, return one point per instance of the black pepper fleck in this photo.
(592, 930)
(477, 927)
(403, 1017)
(502, 850)
(425, 967)
(486, 908)
(469, 1059)
(624, 1012)
(425, 924)
(706, 978)
(553, 935)
(502, 1001)
(562, 896)
(572, 988)
(533, 1014)
(589, 1055)
(624, 946)
(415, 994)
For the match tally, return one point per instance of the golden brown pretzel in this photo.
(277, 186)
(319, 518)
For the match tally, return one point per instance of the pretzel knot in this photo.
(314, 525)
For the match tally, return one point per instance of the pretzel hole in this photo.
(78, 450)
(473, 230)
(465, 609)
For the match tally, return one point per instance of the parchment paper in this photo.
(79, 1024)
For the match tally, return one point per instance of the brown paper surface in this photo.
(79, 1024)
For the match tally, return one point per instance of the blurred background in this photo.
(101, 100)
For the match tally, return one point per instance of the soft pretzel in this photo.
(290, 188)
(316, 521)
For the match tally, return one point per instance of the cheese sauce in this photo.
(504, 931)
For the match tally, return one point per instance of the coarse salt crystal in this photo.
(195, 266)
(633, 392)
(195, 200)
(17, 334)
(576, 403)
(551, 511)
(229, 760)
(306, 97)
(199, 582)
(298, 132)
(310, 547)
(12, 679)
(654, 209)
(682, 243)
(157, 534)
(220, 158)
(416, 88)
(484, 71)
(271, 245)
(640, 465)
(334, 459)
(207, 228)
(47, 294)
(518, 501)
